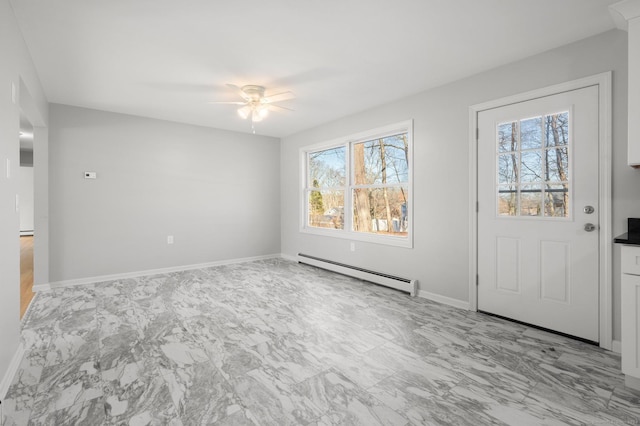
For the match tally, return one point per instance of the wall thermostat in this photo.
(90, 175)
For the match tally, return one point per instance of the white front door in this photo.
(538, 257)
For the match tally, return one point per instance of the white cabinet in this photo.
(626, 15)
(634, 92)
(631, 315)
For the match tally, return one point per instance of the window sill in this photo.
(387, 240)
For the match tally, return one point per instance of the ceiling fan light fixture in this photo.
(256, 117)
(255, 104)
(244, 112)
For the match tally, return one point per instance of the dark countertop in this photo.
(624, 239)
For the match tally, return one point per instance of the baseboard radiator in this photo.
(399, 283)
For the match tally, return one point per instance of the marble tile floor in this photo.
(278, 343)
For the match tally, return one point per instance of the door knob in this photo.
(589, 227)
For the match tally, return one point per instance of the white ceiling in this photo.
(167, 59)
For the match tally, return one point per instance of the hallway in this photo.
(26, 273)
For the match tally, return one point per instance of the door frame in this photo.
(603, 82)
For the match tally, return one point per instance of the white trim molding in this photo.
(623, 11)
(603, 81)
(456, 303)
(616, 346)
(102, 278)
(41, 287)
(289, 257)
(11, 371)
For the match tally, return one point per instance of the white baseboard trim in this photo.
(41, 287)
(616, 346)
(289, 257)
(11, 371)
(136, 274)
(456, 303)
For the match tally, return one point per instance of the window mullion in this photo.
(543, 166)
(519, 171)
(348, 197)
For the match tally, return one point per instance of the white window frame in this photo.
(348, 142)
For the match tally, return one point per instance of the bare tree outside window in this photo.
(327, 174)
(557, 165)
(533, 166)
(381, 175)
(360, 187)
(361, 199)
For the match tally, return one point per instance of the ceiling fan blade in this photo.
(239, 91)
(228, 103)
(280, 107)
(278, 97)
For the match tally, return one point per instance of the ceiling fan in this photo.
(256, 104)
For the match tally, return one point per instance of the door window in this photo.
(532, 158)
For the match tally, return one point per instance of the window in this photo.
(327, 178)
(360, 187)
(533, 176)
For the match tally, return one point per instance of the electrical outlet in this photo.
(170, 239)
(353, 246)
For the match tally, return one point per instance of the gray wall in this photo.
(16, 68)
(216, 192)
(439, 259)
(26, 198)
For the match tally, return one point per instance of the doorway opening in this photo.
(27, 210)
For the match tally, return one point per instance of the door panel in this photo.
(555, 271)
(508, 264)
(537, 171)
